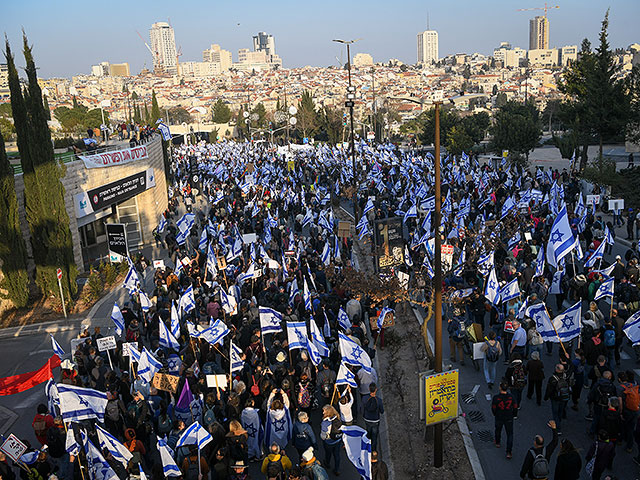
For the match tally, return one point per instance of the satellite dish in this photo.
(293, 120)
(293, 110)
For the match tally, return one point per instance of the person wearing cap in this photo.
(618, 269)
(238, 471)
(69, 375)
(311, 466)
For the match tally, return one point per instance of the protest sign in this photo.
(217, 381)
(106, 343)
(13, 447)
(441, 397)
(165, 382)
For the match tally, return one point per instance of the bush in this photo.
(110, 272)
(63, 142)
(95, 285)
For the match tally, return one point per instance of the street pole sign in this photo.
(441, 397)
(117, 241)
(59, 275)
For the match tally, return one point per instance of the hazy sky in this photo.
(69, 36)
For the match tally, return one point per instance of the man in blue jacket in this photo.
(372, 409)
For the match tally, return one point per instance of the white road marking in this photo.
(37, 396)
(38, 352)
(475, 390)
(488, 397)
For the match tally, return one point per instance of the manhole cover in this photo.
(468, 398)
(485, 435)
(476, 416)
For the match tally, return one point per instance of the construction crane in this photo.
(545, 8)
(153, 55)
(178, 55)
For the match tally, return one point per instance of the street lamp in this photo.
(351, 95)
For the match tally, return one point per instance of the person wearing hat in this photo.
(311, 466)
(69, 375)
(238, 471)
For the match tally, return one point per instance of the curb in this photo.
(472, 453)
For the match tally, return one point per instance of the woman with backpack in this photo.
(237, 441)
(331, 436)
(492, 351)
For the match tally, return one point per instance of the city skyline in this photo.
(303, 36)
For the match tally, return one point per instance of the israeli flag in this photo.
(407, 257)
(606, 272)
(326, 254)
(270, 320)
(204, 239)
(508, 206)
(57, 349)
(145, 303)
(567, 325)
(148, 365)
(411, 213)
(561, 239)
(510, 291)
(358, 448)
(346, 377)
(235, 354)
(99, 469)
(597, 254)
(539, 263)
(343, 319)
(119, 451)
(353, 354)
(175, 321)
(117, 318)
(187, 301)
(514, 241)
(135, 354)
(169, 467)
(308, 218)
(195, 434)
(605, 289)
(215, 333)
(426, 264)
(368, 207)
(162, 225)
(485, 263)
(78, 403)
(186, 223)
(632, 328)
(364, 231)
(164, 131)
(538, 313)
(297, 335)
(336, 249)
(383, 313)
(491, 291)
(580, 208)
(167, 340)
(317, 339)
(426, 223)
(131, 281)
(71, 445)
(30, 458)
(306, 295)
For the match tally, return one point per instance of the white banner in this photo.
(119, 157)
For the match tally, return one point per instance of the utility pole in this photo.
(373, 103)
(437, 283)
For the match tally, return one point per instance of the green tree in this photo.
(633, 89)
(448, 119)
(501, 99)
(7, 129)
(306, 115)
(476, 126)
(516, 128)
(155, 109)
(145, 114)
(330, 125)
(75, 102)
(261, 112)
(47, 110)
(13, 253)
(137, 118)
(221, 112)
(179, 115)
(241, 123)
(459, 140)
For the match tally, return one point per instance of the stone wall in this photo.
(151, 203)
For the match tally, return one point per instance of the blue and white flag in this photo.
(215, 333)
(368, 207)
(270, 320)
(353, 354)
(539, 263)
(145, 303)
(358, 448)
(538, 313)
(162, 225)
(632, 328)
(346, 377)
(175, 321)
(561, 239)
(297, 335)
(317, 339)
(314, 354)
(605, 289)
(167, 340)
(608, 236)
(491, 290)
(508, 206)
(510, 291)
(57, 349)
(79, 403)
(411, 213)
(169, 467)
(485, 263)
(194, 434)
(131, 281)
(71, 445)
(186, 222)
(148, 365)
(98, 467)
(383, 313)
(567, 324)
(228, 302)
(407, 257)
(308, 218)
(326, 254)
(204, 240)
(343, 319)
(514, 241)
(306, 295)
(235, 356)
(164, 131)
(606, 272)
(117, 318)
(597, 254)
(187, 301)
(118, 450)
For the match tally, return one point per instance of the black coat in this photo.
(568, 466)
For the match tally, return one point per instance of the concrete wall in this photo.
(151, 203)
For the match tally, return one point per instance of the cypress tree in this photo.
(12, 250)
(47, 110)
(53, 224)
(146, 113)
(155, 109)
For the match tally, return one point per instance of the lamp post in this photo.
(351, 95)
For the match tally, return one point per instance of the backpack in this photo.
(275, 469)
(193, 471)
(562, 388)
(371, 408)
(40, 427)
(326, 388)
(610, 338)
(208, 418)
(631, 397)
(603, 397)
(518, 379)
(492, 355)
(304, 399)
(255, 389)
(112, 411)
(540, 466)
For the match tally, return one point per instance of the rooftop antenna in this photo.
(428, 21)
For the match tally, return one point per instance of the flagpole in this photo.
(557, 334)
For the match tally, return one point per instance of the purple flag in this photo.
(186, 397)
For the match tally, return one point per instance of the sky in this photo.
(69, 36)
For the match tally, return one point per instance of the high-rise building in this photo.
(362, 60)
(163, 46)
(4, 80)
(428, 47)
(539, 33)
(509, 56)
(264, 43)
(215, 54)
